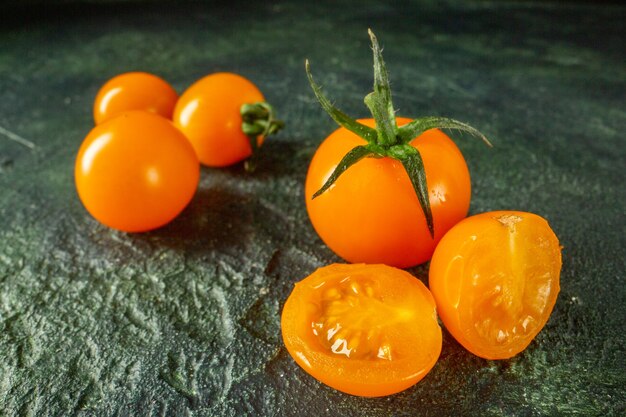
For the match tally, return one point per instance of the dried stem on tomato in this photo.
(387, 139)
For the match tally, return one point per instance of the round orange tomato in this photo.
(367, 330)
(371, 214)
(134, 91)
(208, 113)
(136, 172)
(495, 277)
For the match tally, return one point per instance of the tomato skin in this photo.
(378, 307)
(134, 91)
(495, 277)
(208, 113)
(371, 214)
(136, 172)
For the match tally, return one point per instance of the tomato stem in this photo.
(379, 101)
(387, 139)
(258, 120)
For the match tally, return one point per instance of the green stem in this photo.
(387, 139)
(258, 119)
(337, 115)
(349, 159)
(379, 102)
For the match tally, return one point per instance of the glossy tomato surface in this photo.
(208, 113)
(371, 214)
(367, 330)
(495, 277)
(134, 91)
(136, 172)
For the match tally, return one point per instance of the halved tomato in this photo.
(495, 277)
(367, 330)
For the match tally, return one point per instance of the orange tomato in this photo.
(208, 113)
(367, 330)
(371, 214)
(136, 172)
(495, 277)
(134, 91)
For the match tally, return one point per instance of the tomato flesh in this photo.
(495, 277)
(367, 330)
(136, 172)
(134, 91)
(371, 214)
(208, 113)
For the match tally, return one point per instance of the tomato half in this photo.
(134, 91)
(367, 330)
(371, 214)
(136, 172)
(208, 113)
(495, 277)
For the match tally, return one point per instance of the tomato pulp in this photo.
(495, 277)
(367, 330)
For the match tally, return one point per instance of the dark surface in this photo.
(185, 320)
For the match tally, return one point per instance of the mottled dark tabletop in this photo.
(184, 321)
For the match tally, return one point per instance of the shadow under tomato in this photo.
(277, 159)
(210, 221)
(220, 219)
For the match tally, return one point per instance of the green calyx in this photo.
(387, 139)
(258, 119)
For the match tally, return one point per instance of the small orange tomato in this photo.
(371, 214)
(134, 91)
(367, 330)
(208, 113)
(136, 172)
(495, 277)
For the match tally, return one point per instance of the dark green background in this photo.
(185, 320)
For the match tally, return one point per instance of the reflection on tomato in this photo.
(495, 277)
(136, 172)
(134, 91)
(367, 330)
(208, 113)
(371, 214)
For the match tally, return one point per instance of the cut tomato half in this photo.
(495, 277)
(367, 330)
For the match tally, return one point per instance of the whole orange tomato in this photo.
(386, 189)
(367, 330)
(136, 172)
(495, 277)
(212, 111)
(371, 214)
(134, 91)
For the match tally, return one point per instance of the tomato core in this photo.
(350, 320)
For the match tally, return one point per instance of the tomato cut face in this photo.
(367, 330)
(495, 277)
